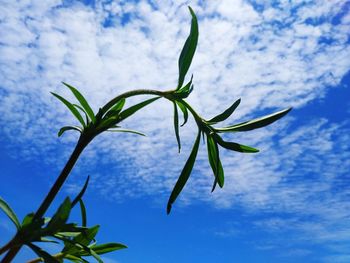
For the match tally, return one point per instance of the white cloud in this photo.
(271, 58)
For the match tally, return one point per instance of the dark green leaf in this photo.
(47, 240)
(9, 212)
(184, 111)
(75, 259)
(60, 217)
(185, 91)
(215, 163)
(32, 228)
(227, 113)
(116, 109)
(82, 101)
(119, 105)
(81, 193)
(176, 126)
(106, 248)
(84, 239)
(71, 108)
(128, 131)
(185, 174)
(234, 146)
(83, 111)
(43, 254)
(256, 123)
(129, 111)
(67, 128)
(188, 50)
(95, 255)
(83, 212)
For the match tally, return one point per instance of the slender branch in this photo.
(130, 94)
(84, 140)
(11, 254)
(195, 115)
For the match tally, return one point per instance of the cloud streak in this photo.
(270, 55)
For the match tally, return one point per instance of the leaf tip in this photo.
(168, 208)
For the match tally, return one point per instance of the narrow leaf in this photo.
(83, 213)
(214, 161)
(176, 126)
(119, 105)
(185, 174)
(75, 258)
(128, 131)
(188, 50)
(84, 239)
(106, 248)
(81, 193)
(116, 109)
(129, 111)
(70, 106)
(60, 217)
(227, 113)
(185, 91)
(235, 146)
(256, 123)
(67, 128)
(83, 111)
(184, 111)
(43, 254)
(82, 102)
(9, 212)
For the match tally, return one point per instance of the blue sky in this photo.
(288, 203)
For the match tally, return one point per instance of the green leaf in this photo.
(184, 111)
(71, 107)
(9, 212)
(32, 228)
(185, 91)
(214, 161)
(116, 109)
(227, 113)
(235, 146)
(47, 240)
(119, 105)
(83, 213)
(185, 174)
(82, 102)
(106, 248)
(131, 110)
(75, 259)
(95, 255)
(81, 193)
(67, 128)
(256, 123)
(176, 126)
(128, 131)
(84, 239)
(43, 254)
(60, 217)
(188, 50)
(83, 111)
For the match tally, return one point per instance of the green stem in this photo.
(127, 94)
(84, 140)
(195, 115)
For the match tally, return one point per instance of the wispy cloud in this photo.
(270, 55)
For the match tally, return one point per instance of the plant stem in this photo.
(82, 143)
(84, 140)
(130, 94)
(195, 115)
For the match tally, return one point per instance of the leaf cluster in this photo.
(78, 239)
